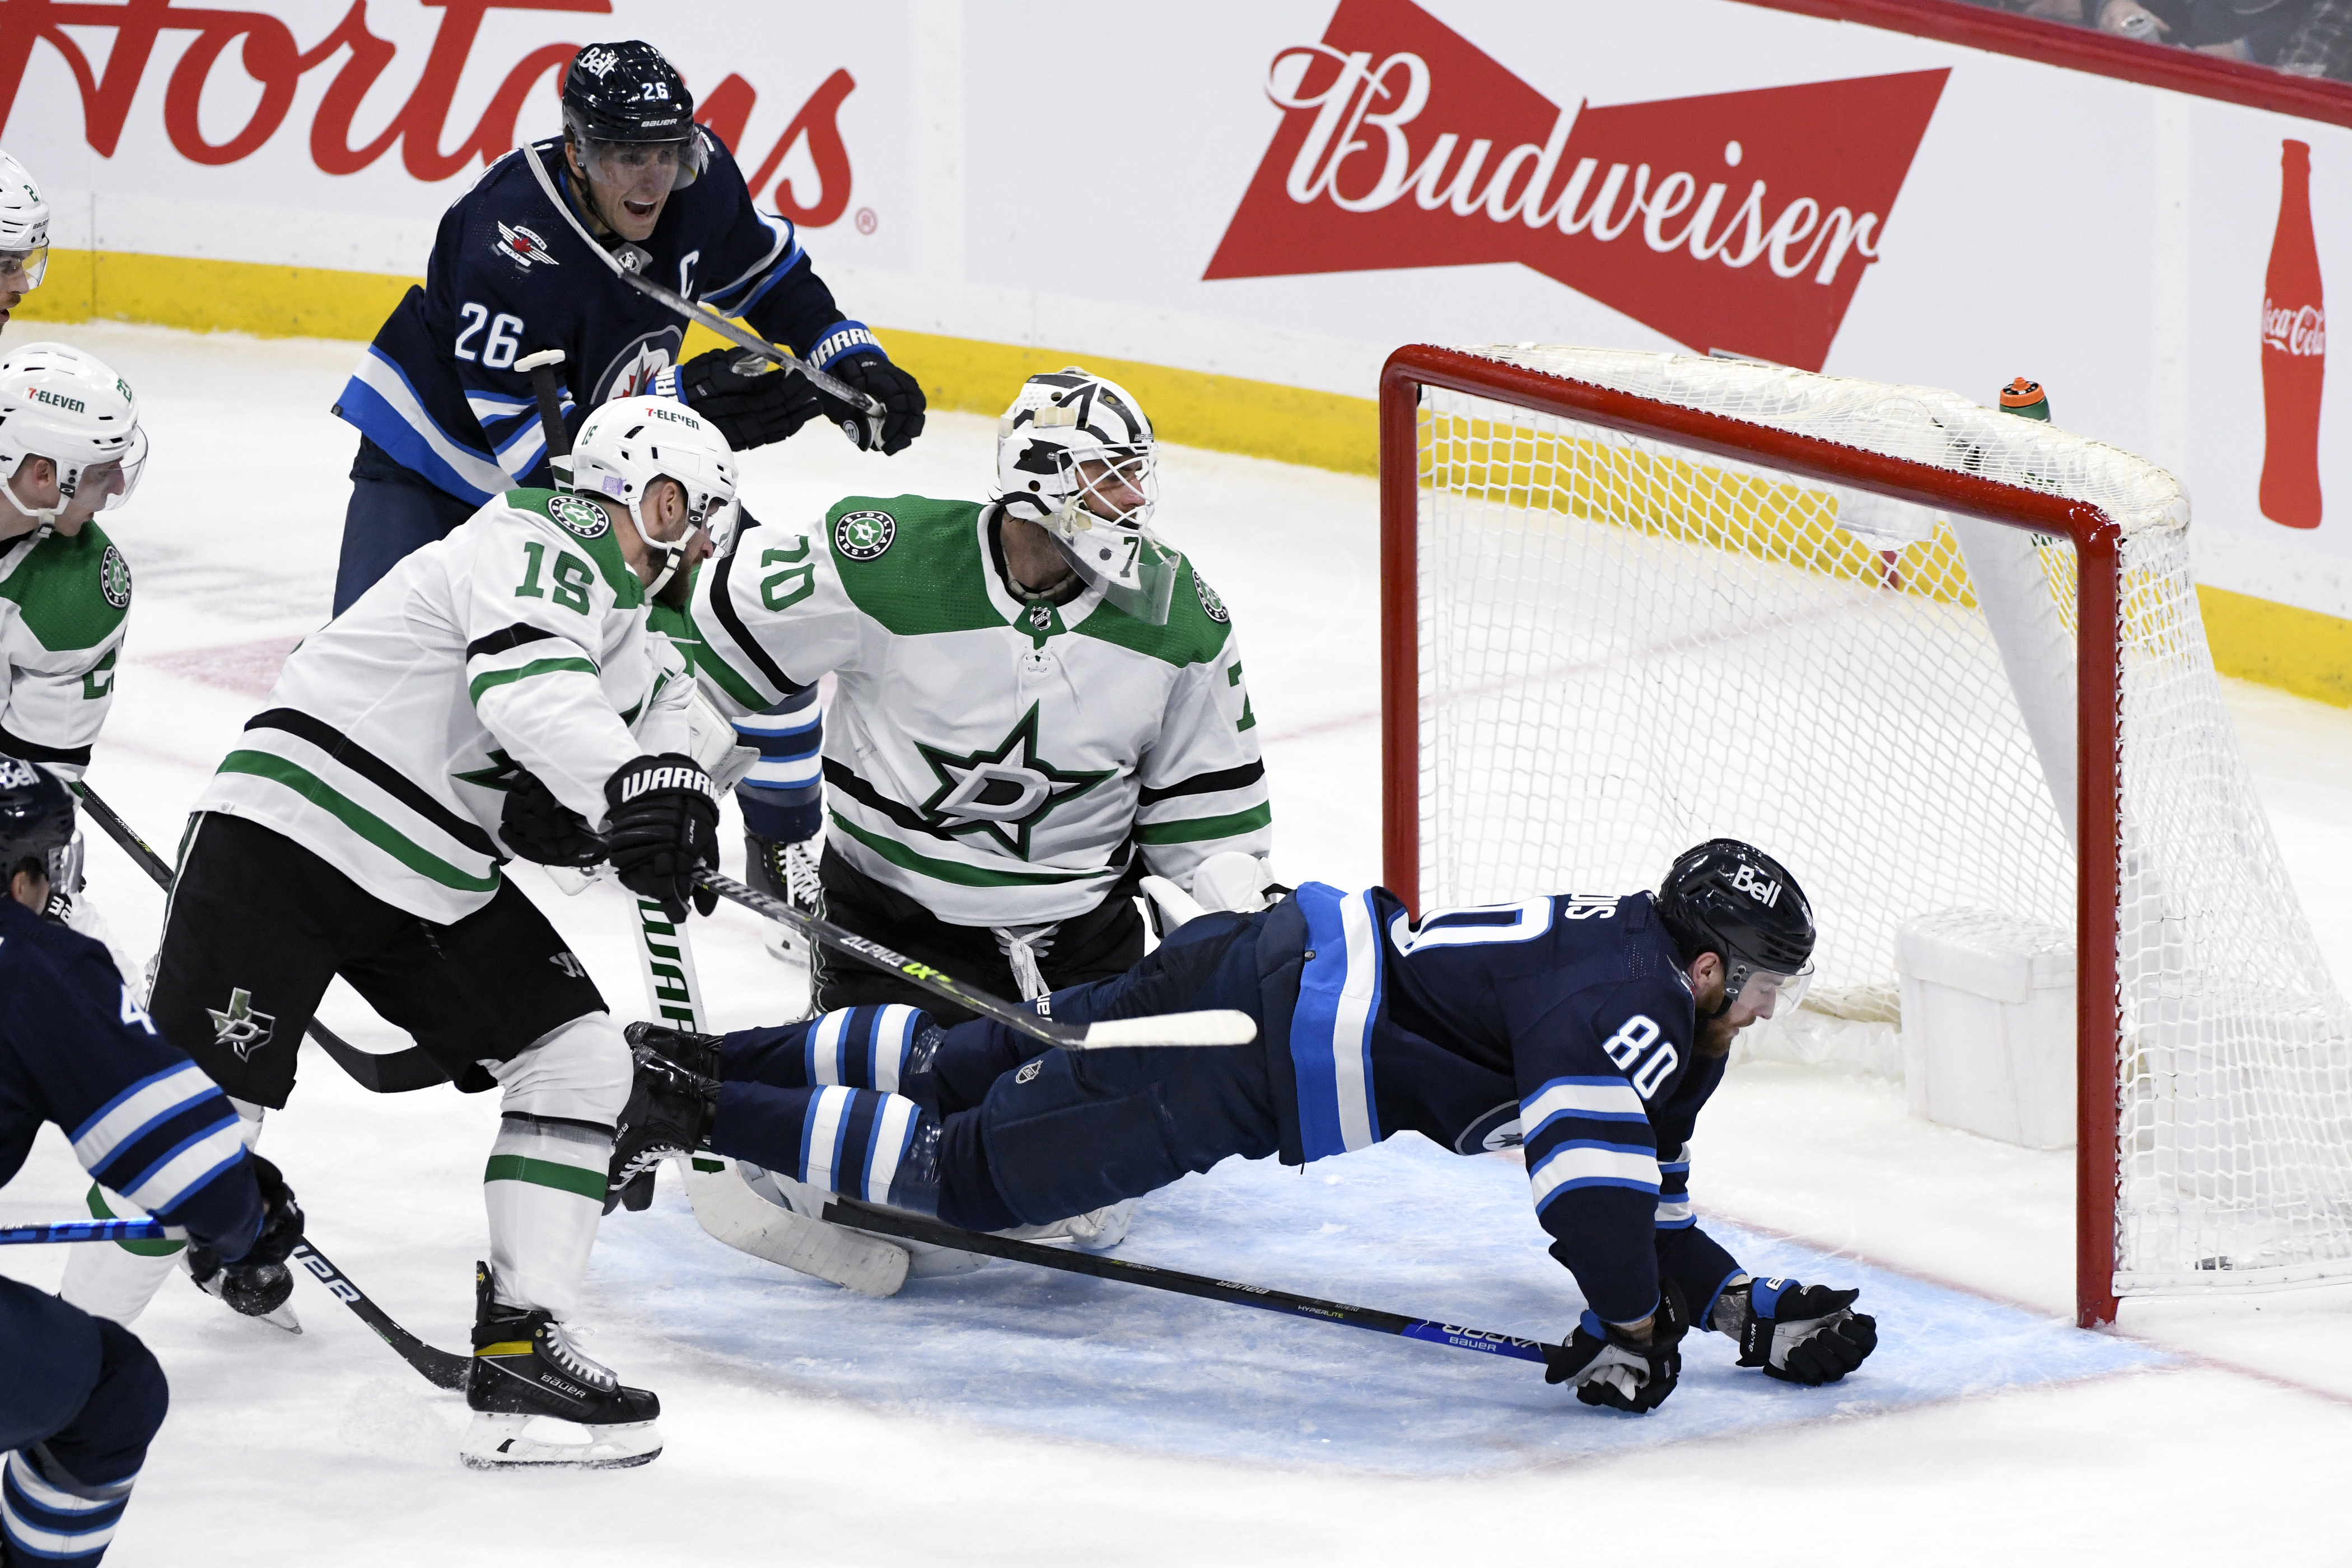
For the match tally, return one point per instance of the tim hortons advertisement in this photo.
(1285, 191)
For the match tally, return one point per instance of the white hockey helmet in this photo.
(59, 403)
(1074, 454)
(24, 227)
(627, 444)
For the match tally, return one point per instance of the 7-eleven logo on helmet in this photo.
(1741, 220)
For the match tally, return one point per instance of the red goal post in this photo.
(1414, 373)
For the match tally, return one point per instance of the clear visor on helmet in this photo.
(1772, 993)
(105, 485)
(642, 171)
(21, 270)
(63, 864)
(1103, 528)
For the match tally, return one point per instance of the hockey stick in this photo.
(438, 1367)
(1226, 1027)
(395, 1072)
(43, 1232)
(890, 1222)
(541, 368)
(628, 272)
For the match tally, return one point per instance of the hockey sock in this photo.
(854, 1142)
(888, 1049)
(52, 1517)
(544, 1185)
(544, 1188)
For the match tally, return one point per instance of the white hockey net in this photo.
(1626, 647)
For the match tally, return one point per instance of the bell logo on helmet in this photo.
(14, 775)
(597, 62)
(114, 578)
(865, 535)
(1757, 886)
(585, 519)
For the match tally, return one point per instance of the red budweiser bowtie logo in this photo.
(1739, 221)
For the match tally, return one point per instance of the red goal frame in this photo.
(2097, 540)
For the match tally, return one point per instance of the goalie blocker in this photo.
(1589, 1029)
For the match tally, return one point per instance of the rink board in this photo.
(1403, 1226)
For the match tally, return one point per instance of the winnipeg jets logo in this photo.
(1004, 793)
(523, 247)
(240, 1028)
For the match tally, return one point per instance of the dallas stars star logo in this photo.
(1004, 793)
(241, 1029)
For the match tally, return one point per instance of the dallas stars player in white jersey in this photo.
(496, 692)
(1036, 703)
(70, 447)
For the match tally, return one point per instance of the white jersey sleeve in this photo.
(64, 603)
(773, 617)
(1203, 782)
(534, 604)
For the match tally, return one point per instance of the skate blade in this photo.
(499, 1442)
(283, 1318)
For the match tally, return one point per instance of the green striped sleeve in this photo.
(482, 683)
(1192, 830)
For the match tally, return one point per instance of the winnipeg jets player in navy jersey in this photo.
(80, 1397)
(1589, 1029)
(448, 422)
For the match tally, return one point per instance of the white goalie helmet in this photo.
(24, 227)
(59, 403)
(627, 444)
(1074, 453)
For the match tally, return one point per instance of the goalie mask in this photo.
(1073, 454)
(629, 443)
(59, 403)
(24, 228)
(1735, 902)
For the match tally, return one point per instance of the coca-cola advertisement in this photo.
(1280, 193)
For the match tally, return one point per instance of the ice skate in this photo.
(537, 1401)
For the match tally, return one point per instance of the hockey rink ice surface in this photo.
(1020, 1416)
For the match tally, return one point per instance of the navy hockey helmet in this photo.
(626, 108)
(36, 820)
(1734, 900)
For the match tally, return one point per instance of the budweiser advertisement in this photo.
(1285, 191)
(1733, 220)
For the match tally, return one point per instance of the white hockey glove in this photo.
(1798, 1333)
(712, 742)
(1230, 882)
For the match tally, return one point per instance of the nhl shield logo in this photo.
(582, 518)
(864, 536)
(114, 578)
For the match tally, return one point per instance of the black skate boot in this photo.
(537, 1401)
(669, 1112)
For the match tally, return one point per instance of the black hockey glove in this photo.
(1610, 1367)
(539, 827)
(871, 373)
(750, 408)
(257, 1283)
(663, 825)
(1798, 1333)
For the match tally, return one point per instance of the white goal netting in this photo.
(1626, 647)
